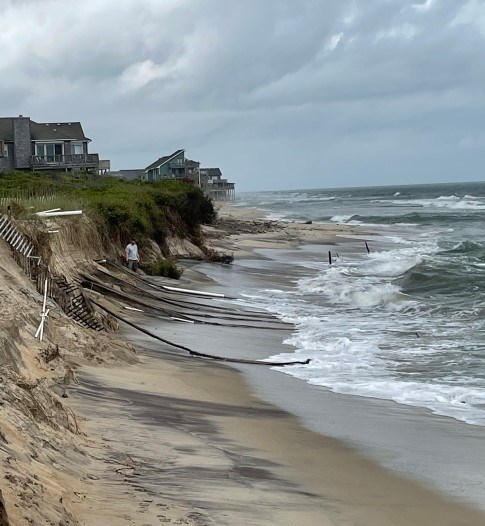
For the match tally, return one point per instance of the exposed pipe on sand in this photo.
(196, 353)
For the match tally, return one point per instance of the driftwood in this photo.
(237, 226)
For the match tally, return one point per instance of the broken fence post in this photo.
(40, 331)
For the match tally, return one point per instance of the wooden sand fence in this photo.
(26, 197)
(69, 296)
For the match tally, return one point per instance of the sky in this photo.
(280, 94)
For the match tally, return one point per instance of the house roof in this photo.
(47, 131)
(163, 160)
(64, 131)
(212, 172)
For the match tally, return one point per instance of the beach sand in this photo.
(186, 441)
(189, 444)
(165, 438)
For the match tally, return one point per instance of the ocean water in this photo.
(405, 322)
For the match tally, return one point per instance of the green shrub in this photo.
(122, 209)
(163, 267)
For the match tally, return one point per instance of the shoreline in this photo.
(417, 442)
(117, 428)
(234, 458)
(409, 439)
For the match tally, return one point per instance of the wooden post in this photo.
(329, 257)
(367, 247)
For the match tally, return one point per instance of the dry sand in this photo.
(176, 440)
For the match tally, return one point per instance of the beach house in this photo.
(173, 166)
(177, 166)
(215, 186)
(29, 145)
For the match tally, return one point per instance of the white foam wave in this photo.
(351, 369)
(451, 201)
(341, 218)
(274, 216)
(340, 286)
(364, 336)
(324, 198)
(467, 196)
(365, 281)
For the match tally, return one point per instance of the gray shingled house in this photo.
(173, 166)
(29, 145)
(177, 166)
(215, 186)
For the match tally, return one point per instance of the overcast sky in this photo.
(280, 94)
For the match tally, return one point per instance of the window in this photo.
(77, 148)
(51, 152)
(3, 149)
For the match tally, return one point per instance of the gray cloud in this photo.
(278, 93)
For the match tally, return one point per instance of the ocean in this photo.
(404, 322)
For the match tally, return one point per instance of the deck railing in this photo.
(77, 159)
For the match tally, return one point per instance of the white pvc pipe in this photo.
(175, 289)
(48, 211)
(55, 214)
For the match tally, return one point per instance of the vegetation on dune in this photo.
(121, 209)
(164, 267)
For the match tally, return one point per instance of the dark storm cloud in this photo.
(365, 91)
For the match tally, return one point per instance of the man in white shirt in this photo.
(131, 255)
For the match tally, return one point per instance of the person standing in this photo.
(131, 255)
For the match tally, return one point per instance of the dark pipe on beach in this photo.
(196, 353)
(367, 247)
(188, 313)
(329, 257)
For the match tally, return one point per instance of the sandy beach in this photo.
(174, 439)
(206, 450)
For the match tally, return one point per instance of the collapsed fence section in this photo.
(68, 296)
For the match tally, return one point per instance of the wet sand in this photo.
(202, 448)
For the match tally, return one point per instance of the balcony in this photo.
(76, 162)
